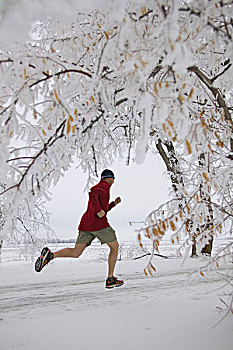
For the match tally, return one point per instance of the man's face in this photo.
(110, 181)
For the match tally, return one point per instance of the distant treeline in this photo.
(62, 240)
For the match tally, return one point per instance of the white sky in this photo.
(142, 188)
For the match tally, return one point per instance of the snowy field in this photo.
(67, 307)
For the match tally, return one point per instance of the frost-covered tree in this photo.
(99, 88)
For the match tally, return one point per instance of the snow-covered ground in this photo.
(67, 307)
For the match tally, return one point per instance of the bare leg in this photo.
(71, 252)
(112, 257)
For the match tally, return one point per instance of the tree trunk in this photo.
(1, 242)
(207, 249)
(172, 165)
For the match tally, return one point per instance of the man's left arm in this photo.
(114, 203)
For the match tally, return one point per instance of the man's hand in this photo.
(117, 200)
(101, 213)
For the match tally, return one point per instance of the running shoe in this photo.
(112, 282)
(45, 257)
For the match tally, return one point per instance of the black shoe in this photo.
(45, 257)
(112, 282)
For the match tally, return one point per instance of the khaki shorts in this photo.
(105, 235)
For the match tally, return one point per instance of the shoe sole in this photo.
(39, 262)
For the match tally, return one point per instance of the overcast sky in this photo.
(142, 188)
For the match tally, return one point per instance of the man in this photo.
(93, 224)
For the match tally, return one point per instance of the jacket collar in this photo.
(104, 183)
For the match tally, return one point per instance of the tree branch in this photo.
(121, 101)
(49, 143)
(217, 94)
(79, 71)
(224, 71)
(92, 123)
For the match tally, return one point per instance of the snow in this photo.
(67, 307)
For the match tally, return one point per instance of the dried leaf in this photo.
(155, 88)
(221, 144)
(150, 272)
(153, 268)
(202, 112)
(171, 44)
(204, 174)
(173, 227)
(170, 122)
(190, 93)
(143, 10)
(56, 95)
(188, 146)
(73, 129)
(68, 127)
(164, 226)
(181, 99)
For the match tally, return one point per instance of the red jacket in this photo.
(98, 200)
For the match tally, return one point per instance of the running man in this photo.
(93, 224)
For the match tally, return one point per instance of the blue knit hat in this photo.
(106, 174)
